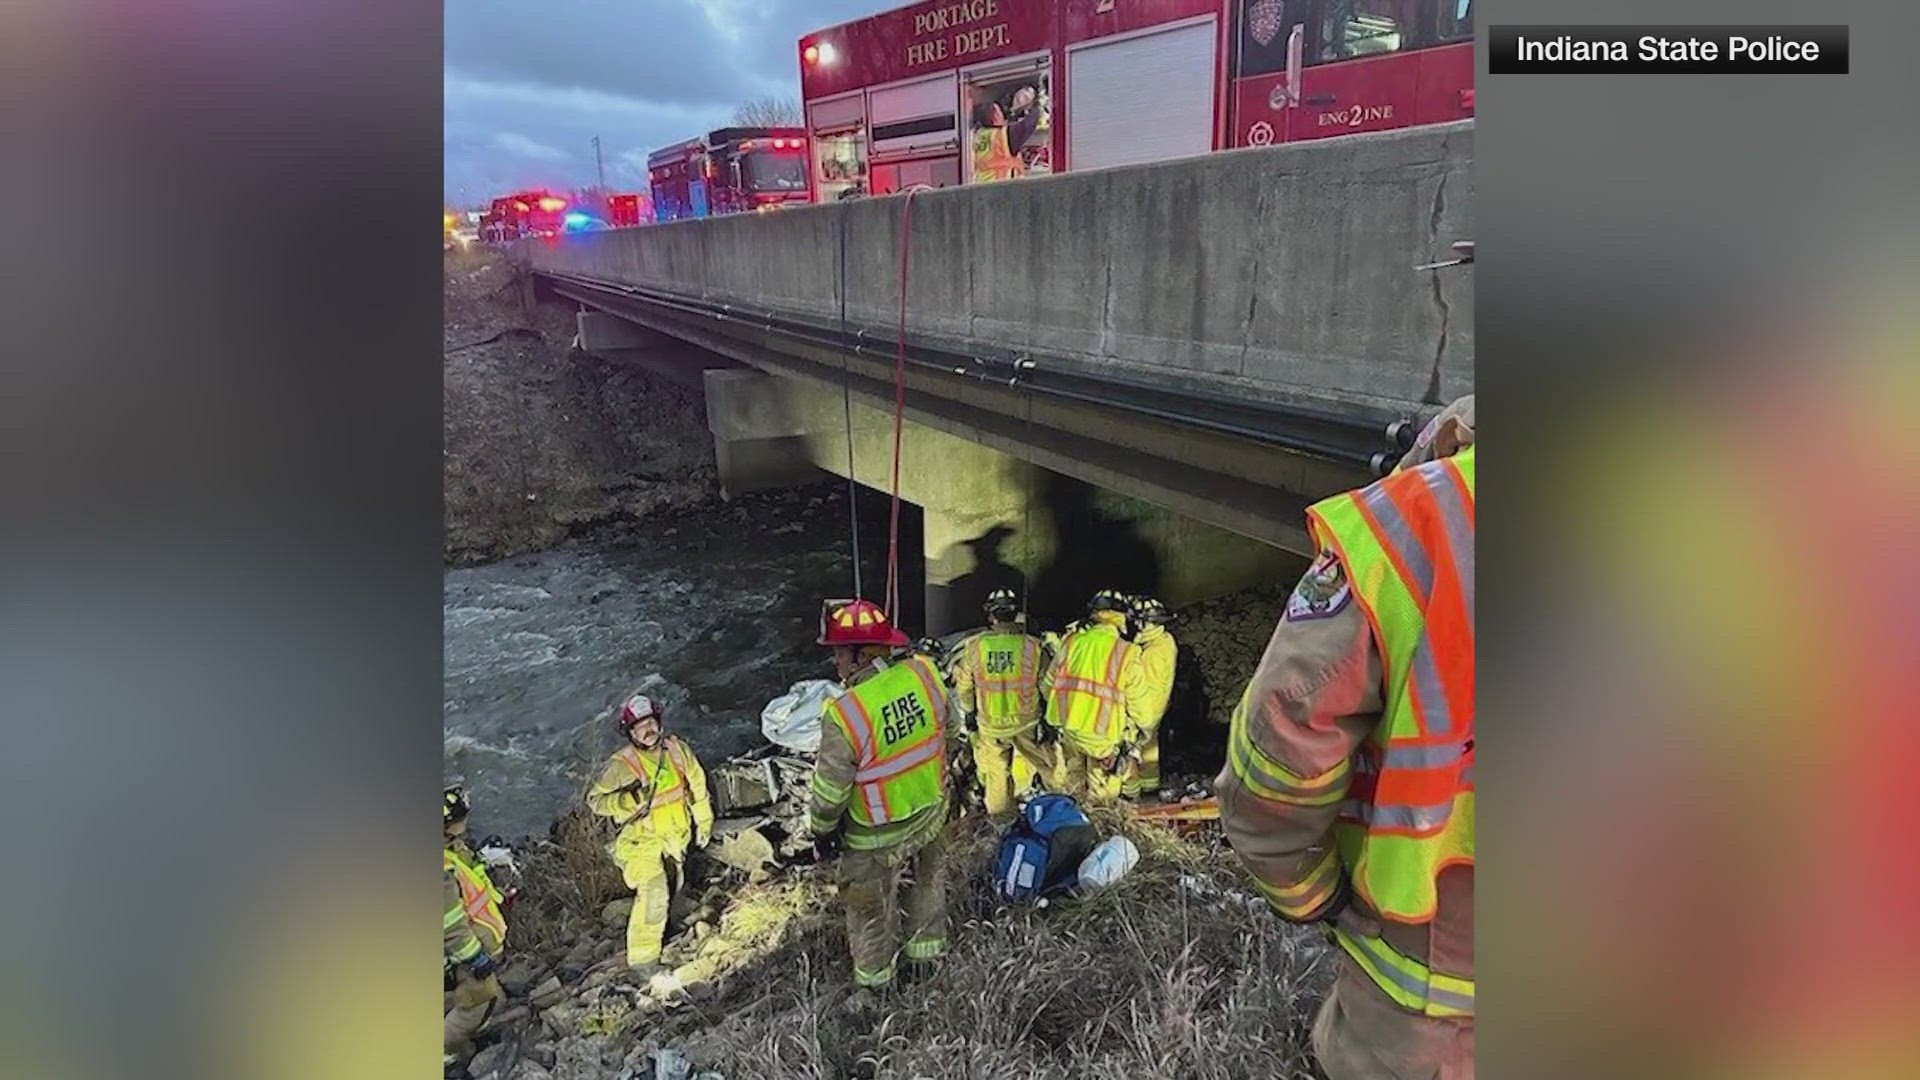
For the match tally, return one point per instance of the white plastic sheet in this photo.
(792, 720)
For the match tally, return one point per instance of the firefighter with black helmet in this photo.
(996, 681)
(1095, 697)
(1158, 655)
(474, 928)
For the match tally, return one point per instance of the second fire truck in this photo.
(729, 171)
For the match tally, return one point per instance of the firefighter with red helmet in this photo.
(879, 791)
(655, 792)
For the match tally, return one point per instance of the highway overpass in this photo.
(1189, 352)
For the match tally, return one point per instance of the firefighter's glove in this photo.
(1046, 734)
(481, 966)
(1330, 913)
(826, 846)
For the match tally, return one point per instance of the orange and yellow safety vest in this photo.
(896, 723)
(1006, 683)
(992, 160)
(479, 904)
(1407, 545)
(1085, 700)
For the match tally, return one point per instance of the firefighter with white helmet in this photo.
(879, 790)
(474, 927)
(655, 791)
(996, 680)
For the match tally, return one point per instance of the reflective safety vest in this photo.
(992, 160)
(896, 722)
(479, 903)
(1085, 701)
(665, 775)
(1407, 545)
(1006, 682)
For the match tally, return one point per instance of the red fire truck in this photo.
(525, 213)
(966, 91)
(729, 171)
(625, 210)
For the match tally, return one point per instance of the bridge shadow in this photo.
(1095, 549)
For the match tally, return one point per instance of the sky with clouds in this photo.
(528, 85)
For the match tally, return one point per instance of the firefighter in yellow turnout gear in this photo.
(656, 792)
(474, 929)
(997, 679)
(879, 791)
(1096, 698)
(1157, 657)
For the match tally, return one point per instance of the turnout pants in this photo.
(1091, 780)
(1143, 775)
(1006, 768)
(650, 866)
(473, 1001)
(1361, 1034)
(882, 886)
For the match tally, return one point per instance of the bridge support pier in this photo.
(758, 442)
(989, 519)
(599, 332)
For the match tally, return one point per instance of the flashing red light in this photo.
(551, 205)
(520, 206)
(811, 54)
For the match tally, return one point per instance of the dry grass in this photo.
(567, 880)
(1176, 972)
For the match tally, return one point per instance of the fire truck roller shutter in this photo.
(932, 101)
(839, 113)
(1145, 98)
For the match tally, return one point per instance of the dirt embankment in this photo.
(543, 443)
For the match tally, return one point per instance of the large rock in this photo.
(616, 912)
(581, 955)
(494, 1062)
(532, 1070)
(547, 994)
(517, 976)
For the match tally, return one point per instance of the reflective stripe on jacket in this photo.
(1407, 545)
(1085, 700)
(479, 905)
(896, 723)
(1005, 672)
(1406, 980)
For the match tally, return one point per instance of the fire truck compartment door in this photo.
(843, 112)
(1145, 98)
(897, 107)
